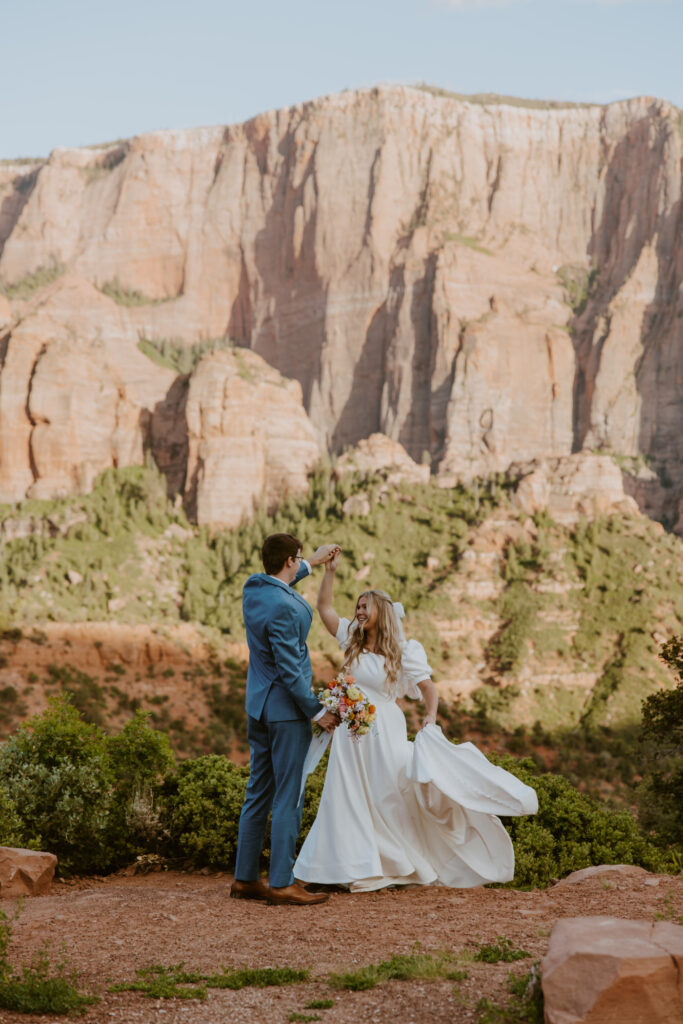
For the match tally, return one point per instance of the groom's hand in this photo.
(328, 722)
(323, 554)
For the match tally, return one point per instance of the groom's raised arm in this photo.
(283, 636)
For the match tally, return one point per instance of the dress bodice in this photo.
(370, 675)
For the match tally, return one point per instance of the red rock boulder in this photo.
(604, 970)
(25, 872)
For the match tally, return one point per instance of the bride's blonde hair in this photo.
(389, 636)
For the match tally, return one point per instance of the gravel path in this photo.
(112, 927)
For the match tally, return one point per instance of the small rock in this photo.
(432, 563)
(585, 874)
(651, 881)
(362, 574)
(356, 505)
(74, 577)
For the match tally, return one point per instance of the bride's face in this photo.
(367, 620)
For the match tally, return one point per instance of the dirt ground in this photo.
(111, 927)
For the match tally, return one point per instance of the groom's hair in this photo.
(277, 549)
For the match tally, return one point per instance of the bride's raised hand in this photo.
(332, 562)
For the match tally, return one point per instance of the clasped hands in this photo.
(324, 554)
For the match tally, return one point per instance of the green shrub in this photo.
(87, 696)
(10, 823)
(570, 831)
(177, 355)
(57, 772)
(129, 296)
(203, 799)
(32, 282)
(140, 758)
(660, 793)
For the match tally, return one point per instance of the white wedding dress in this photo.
(394, 812)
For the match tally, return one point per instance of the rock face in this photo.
(249, 437)
(604, 970)
(487, 281)
(25, 872)
(379, 453)
(581, 485)
(77, 396)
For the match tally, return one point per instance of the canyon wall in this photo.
(490, 282)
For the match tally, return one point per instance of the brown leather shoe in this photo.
(294, 896)
(257, 890)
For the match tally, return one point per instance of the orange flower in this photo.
(372, 709)
(350, 679)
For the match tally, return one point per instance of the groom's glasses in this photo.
(298, 558)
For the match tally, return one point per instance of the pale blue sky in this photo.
(83, 71)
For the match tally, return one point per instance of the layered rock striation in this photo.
(78, 396)
(484, 281)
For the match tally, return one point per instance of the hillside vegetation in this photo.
(544, 638)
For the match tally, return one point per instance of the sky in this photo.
(77, 72)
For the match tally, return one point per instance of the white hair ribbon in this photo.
(399, 612)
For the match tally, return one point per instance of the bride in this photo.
(394, 812)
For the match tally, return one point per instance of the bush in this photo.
(660, 792)
(570, 831)
(10, 823)
(56, 770)
(84, 796)
(140, 758)
(202, 801)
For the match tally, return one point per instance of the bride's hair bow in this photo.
(399, 612)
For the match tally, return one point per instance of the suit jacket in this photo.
(279, 679)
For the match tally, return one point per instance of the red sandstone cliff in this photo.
(411, 259)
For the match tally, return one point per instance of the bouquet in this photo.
(343, 697)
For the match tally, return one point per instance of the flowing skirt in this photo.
(426, 812)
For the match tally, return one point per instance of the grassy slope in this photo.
(573, 616)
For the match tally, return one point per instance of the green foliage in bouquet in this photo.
(570, 831)
(660, 793)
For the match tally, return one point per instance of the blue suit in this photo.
(280, 706)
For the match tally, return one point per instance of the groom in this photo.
(280, 707)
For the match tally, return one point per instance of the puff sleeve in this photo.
(343, 633)
(414, 669)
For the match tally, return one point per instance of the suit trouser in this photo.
(278, 752)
